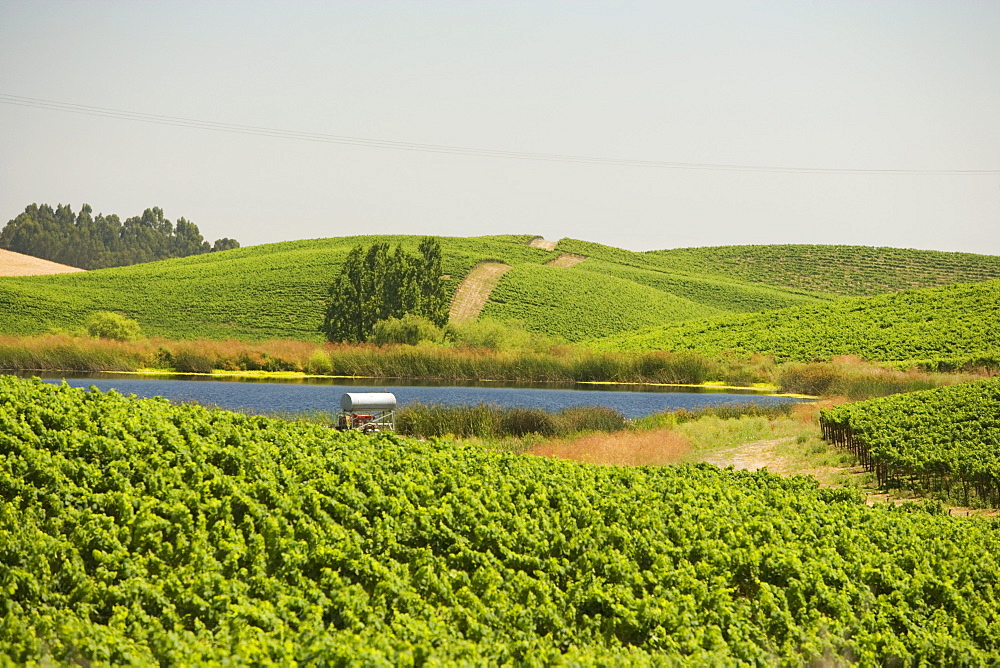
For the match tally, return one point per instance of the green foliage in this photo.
(750, 409)
(137, 532)
(108, 325)
(498, 335)
(938, 437)
(575, 304)
(917, 325)
(840, 270)
(318, 363)
(95, 243)
(409, 330)
(377, 284)
(715, 293)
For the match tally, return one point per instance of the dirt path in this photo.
(566, 260)
(16, 264)
(624, 448)
(539, 242)
(752, 457)
(783, 457)
(474, 291)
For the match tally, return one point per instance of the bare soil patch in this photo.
(783, 457)
(752, 457)
(474, 290)
(566, 260)
(17, 264)
(539, 242)
(624, 448)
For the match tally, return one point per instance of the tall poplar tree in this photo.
(378, 283)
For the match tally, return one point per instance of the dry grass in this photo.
(623, 448)
(16, 264)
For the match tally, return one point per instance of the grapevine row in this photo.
(935, 438)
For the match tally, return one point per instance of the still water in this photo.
(303, 396)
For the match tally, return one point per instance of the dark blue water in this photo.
(296, 396)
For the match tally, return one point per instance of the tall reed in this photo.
(492, 421)
(856, 379)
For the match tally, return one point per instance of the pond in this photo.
(297, 396)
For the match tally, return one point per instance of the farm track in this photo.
(539, 242)
(566, 260)
(753, 457)
(474, 290)
(17, 264)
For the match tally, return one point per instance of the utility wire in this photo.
(104, 112)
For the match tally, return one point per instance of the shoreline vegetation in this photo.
(764, 388)
(563, 364)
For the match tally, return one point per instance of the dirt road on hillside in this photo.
(474, 291)
(539, 242)
(566, 260)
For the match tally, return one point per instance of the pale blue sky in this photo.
(903, 85)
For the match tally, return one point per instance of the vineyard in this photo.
(839, 270)
(576, 304)
(713, 293)
(934, 440)
(137, 531)
(949, 323)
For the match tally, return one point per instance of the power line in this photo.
(104, 112)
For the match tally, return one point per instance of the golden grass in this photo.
(623, 448)
(17, 264)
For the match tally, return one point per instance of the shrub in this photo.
(108, 325)
(188, 361)
(496, 335)
(319, 363)
(410, 329)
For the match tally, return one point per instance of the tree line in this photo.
(379, 283)
(96, 242)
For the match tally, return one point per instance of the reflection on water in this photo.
(323, 394)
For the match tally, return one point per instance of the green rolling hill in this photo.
(953, 322)
(839, 270)
(277, 290)
(578, 304)
(258, 292)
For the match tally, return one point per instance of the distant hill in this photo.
(957, 321)
(839, 270)
(16, 264)
(278, 290)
